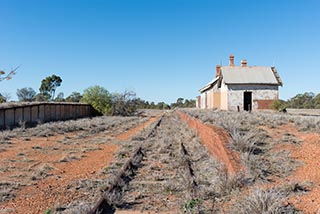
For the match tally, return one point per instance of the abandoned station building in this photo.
(240, 88)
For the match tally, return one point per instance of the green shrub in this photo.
(191, 206)
(278, 105)
(98, 97)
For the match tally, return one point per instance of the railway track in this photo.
(164, 174)
(105, 204)
(126, 174)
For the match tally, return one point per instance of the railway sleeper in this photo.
(113, 195)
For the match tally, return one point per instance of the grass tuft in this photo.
(263, 201)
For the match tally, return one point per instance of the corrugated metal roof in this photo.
(207, 86)
(248, 75)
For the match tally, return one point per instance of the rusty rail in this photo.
(154, 129)
(126, 174)
(192, 185)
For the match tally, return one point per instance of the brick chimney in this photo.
(244, 63)
(218, 70)
(231, 60)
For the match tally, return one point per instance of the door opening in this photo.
(247, 101)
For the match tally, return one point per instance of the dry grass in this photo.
(253, 141)
(42, 171)
(263, 167)
(162, 175)
(227, 184)
(253, 144)
(93, 188)
(160, 182)
(69, 158)
(83, 138)
(89, 126)
(290, 139)
(7, 190)
(82, 207)
(296, 187)
(307, 123)
(261, 161)
(230, 120)
(262, 201)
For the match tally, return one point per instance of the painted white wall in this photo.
(197, 103)
(224, 96)
(259, 92)
(224, 87)
(203, 101)
(224, 100)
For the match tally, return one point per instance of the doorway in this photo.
(247, 101)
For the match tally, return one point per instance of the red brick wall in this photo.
(264, 104)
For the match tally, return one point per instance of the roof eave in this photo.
(277, 76)
(253, 84)
(210, 85)
(206, 88)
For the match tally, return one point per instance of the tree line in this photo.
(101, 99)
(307, 100)
(126, 103)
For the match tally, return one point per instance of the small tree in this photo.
(60, 97)
(183, 103)
(26, 94)
(74, 97)
(162, 105)
(278, 105)
(141, 104)
(316, 101)
(301, 100)
(4, 97)
(98, 97)
(180, 101)
(124, 104)
(42, 97)
(189, 103)
(49, 85)
(152, 105)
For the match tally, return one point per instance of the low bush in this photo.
(261, 201)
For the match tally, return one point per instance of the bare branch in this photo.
(9, 75)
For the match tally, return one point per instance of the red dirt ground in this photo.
(216, 140)
(308, 154)
(131, 132)
(39, 195)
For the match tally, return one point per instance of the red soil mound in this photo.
(216, 140)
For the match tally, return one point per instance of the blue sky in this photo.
(161, 49)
